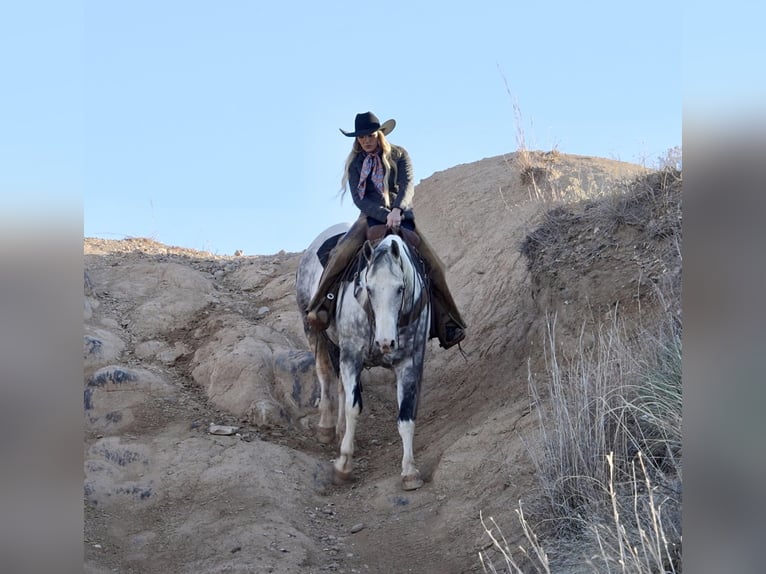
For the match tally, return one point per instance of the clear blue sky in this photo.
(214, 125)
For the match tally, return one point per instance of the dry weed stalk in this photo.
(607, 406)
(626, 548)
(539, 559)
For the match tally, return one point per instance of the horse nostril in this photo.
(386, 346)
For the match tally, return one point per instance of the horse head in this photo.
(387, 279)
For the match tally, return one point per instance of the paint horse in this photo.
(382, 318)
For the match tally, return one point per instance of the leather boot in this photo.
(322, 305)
(448, 325)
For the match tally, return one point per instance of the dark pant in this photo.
(444, 309)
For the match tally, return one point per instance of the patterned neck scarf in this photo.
(372, 165)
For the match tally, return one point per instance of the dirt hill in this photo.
(177, 340)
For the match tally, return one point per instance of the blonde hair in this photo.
(385, 156)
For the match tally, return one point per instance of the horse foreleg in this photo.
(325, 374)
(410, 474)
(353, 406)
(408, 390)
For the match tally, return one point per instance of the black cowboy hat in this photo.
(368, 123)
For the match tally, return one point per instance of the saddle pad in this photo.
(323, 253)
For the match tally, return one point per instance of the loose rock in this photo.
(222, 429)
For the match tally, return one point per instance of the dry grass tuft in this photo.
(532, 175)
(611, 467)
(533, 172)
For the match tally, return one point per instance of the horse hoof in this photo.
(412, 482)
(325, 435)
(341, 477)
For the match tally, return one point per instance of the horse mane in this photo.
(410, 252)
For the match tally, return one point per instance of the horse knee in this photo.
(356, 402)
(408, 406)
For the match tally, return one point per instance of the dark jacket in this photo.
(400, 185)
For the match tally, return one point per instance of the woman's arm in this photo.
(404, 181)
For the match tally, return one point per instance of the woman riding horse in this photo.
(380, 179)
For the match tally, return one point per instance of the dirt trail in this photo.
(178, 339)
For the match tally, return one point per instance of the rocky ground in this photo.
(178, 340)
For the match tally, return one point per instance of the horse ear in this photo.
(395, 249)
(367, 250)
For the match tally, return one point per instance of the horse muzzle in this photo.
(386, 345)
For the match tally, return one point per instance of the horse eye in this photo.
(400, 290)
